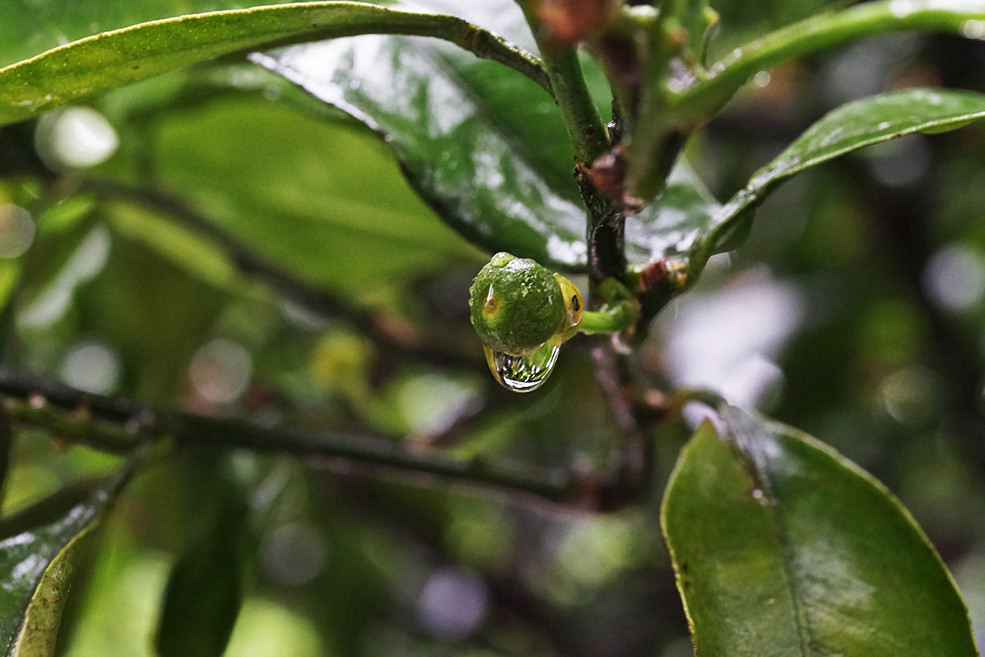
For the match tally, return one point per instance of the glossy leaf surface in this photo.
(478, 167)
(674, 224)
(848, 128)
(485, 147)
(91, 66)
(39, 633)
(783, 548)
(36, 564)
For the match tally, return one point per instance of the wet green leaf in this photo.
(88, 67)
(485, 147)
(39, 633)
(782, 548)
(36, 562)
(848, 128)
(471, 153)
(505, 176)
(671, 227)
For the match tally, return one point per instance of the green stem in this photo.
(610, 318)
(620, 312)
(653, 142)
(590, 140)
(77, 425)
(584, 123)
(701, 101)
(582, 120)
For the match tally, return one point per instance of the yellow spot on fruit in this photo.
(491, 304)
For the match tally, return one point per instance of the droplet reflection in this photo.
(523, 373)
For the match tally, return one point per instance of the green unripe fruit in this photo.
(516, 305)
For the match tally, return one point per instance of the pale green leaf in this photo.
(88, 67)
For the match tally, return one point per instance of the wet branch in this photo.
(118, 426)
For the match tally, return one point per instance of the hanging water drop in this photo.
(523, 373)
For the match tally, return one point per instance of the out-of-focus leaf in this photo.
(848, 128)
(204, 592)
(6, 443)
(96, 64)
(782, 547)
(36, 564)
(168, 315)
(70, 263)
(322, 201)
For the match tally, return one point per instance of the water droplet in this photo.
(523, 373)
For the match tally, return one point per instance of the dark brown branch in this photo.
(606, 234)
(118, 426)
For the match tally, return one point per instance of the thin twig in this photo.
(612, 379)
(119, 425)
(586, 129)
(590, 140)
